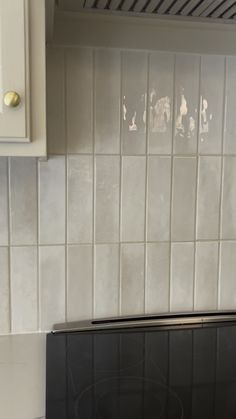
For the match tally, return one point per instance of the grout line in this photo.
(94, 185)
(171, 181)
(122, 242)
(196, 187)
(120, 190)
(66, 177)
(146, 189)
(37, 245)
(9, 244)
(176, 155)
(221, 190)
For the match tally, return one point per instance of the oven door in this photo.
(180, 370)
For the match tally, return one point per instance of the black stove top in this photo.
(143, 373)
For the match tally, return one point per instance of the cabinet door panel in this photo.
(13, 66)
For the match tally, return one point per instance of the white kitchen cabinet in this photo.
(22, 78)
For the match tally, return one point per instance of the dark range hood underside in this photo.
(209, 10)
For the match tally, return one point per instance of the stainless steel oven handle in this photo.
(197, 319)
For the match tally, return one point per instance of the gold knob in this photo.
(11, 99)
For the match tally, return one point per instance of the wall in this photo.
(125, 217)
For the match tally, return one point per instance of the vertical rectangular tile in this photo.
(52, 201)
(106, 280)
(157, 277)
(79, 100)
(227, 284)
(107, 175)
(80, 199)
(23, 200)
(186, 103)
(24, 289)
(183, 198)
(228, 220)
(160, 103)
(4, 238)
(230, 103)
(132, 279)
(134, 98)
(181, 284)
(208, 197)
(133, 198)
(211, 104)
(52, 286)
(107, 101)
(158, 199)
(206, 276)
(79, 282)
(4, 292)
(56, 138)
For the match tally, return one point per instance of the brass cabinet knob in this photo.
(11, 99)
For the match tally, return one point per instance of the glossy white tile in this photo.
(160, 102)
(206, 276)
(4, 292)
(132, 279)
(23, 201)
(187, 69)
(208, 197)
(211, 104)
(107, 101)
(158, 198)
(79, 199)
(227, 284)
(157, 277)
(56, 135)
(182, 277)
(4, 234)
(51, 286)
(106, 290)
(79, 100)
(230, 103)
(79, 282)
(24, 289)
(228, 219)
(52, 200)
(183, 198)
(134, 98)
(107, 198)
(133, 198)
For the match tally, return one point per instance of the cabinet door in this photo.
(14, 70)
(23, 70)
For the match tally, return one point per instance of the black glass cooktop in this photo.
(143, 373)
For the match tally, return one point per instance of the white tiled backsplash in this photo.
(125, 217)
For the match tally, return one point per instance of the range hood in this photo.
(205, 10)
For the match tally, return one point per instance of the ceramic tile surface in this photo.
(24, 288)
(23, 201)
(5, 314)
(107, 101)
(208, 197)
(4, 233)
(134, 209)
(79, 282)
(79, 100)
(52, 201)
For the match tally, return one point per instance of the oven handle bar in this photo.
(198, 319)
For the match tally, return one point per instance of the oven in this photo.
(148, 367)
